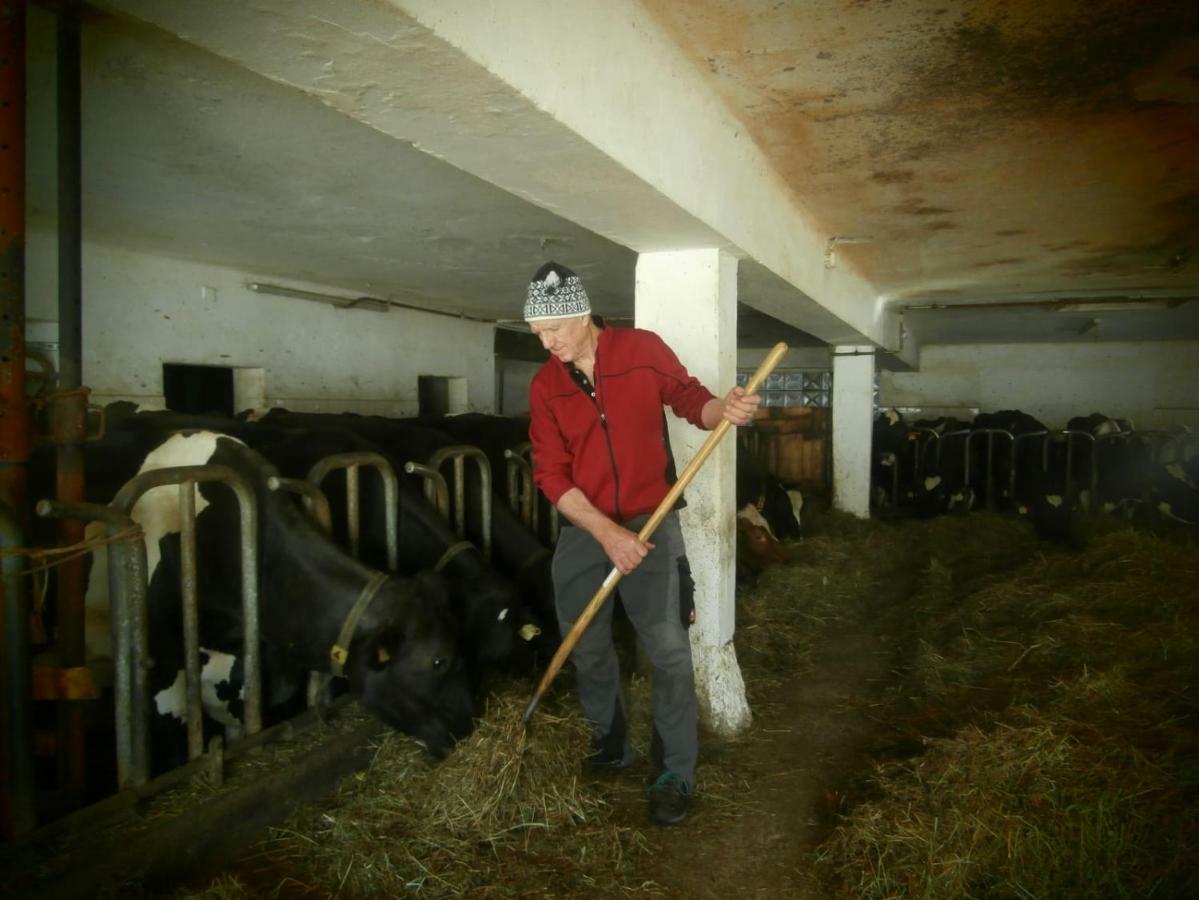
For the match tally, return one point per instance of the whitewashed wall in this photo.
(140, 311)
(1154, 384)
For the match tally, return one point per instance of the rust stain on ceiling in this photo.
(1001, 147)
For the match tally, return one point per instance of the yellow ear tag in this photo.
(529, 631)
(382, 654)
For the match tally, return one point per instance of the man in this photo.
(603, 459)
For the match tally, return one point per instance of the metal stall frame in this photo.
(126, 551)
(317, 505)
(127, 578)
(1016, 441)
(20, 807)
(989, 480)
(436, 490)
(1070, 434)
(523, 495)
(352, 462)
(459, 454)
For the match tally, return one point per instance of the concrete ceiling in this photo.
(958, 153)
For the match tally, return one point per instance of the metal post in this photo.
(315, 501)
(317, 505)
(130, 634)
(458, 453)
(18, 814)
(191, 618)
(436, 490)
(68, 411)
(522, 495)
(391, 495)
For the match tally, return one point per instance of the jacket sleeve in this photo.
(681, 391)
(551, 460)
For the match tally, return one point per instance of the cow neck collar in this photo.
(450, 553)
(340, 651)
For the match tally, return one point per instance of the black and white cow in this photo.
(944, 485)
(893, 447)
(403, 663)
(756, 486)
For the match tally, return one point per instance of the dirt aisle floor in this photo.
(813, 741)
(811, 737)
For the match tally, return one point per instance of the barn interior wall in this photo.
(140, 311)
(1152, 383)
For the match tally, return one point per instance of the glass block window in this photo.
(795, 388)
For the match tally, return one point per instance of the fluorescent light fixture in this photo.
(372, 303)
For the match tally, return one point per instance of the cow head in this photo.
(405, 665)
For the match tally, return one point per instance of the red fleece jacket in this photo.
(613, 447)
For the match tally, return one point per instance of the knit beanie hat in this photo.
(555, 293)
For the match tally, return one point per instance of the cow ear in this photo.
(383, 647)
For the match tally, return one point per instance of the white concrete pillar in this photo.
(853, 416)
(689, 297)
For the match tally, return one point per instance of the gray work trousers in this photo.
(657, 596)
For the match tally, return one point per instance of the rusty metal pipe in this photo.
(130, 635)
(18, 814)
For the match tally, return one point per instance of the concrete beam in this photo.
(584, 108)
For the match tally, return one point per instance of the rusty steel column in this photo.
(68, 412)
(16, 787)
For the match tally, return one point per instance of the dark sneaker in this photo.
(669, 798)
(601, 762)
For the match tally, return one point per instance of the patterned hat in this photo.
(555, 293)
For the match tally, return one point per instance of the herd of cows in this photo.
(425, 637)
(421, 639)
(1009, 460)
(421, 642)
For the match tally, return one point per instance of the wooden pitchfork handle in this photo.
(593, 607)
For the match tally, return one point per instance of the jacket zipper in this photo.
(607, 436)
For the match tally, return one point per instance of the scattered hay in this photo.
(1021, 810)
(502, 816)
(1073, 758)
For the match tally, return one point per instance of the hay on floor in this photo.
(1075, 774)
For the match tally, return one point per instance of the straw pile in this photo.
(1072, 753)
(501, 816)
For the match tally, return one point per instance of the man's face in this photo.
(568, 339)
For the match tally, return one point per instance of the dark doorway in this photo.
(433, 395)
(200, 390)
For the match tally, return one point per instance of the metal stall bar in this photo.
(1016, 440)
(187, 477)
(459, 454)
(315, 501)
(68, 408)
(521, 496)
(436, 490)
(990, 473)
(352, 462)
(1070, 435)
(130, 632)
(18, 809)
(317, 505)
(923, 437)
(524, 451)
